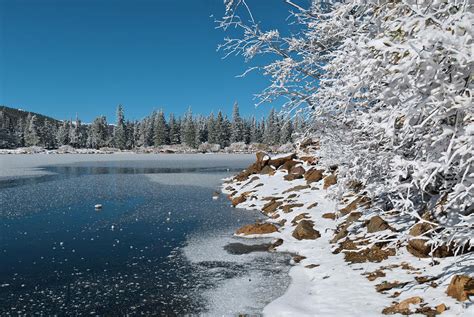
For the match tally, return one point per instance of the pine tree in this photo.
(286, 132)
(271, 135)
(160, 131)
(120, 137)
(99, 133)
(174, 130)
(62, 136)
(211, 129)
(189, 132)
(237, 129)
(31, 134)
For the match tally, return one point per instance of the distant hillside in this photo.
(13, 123)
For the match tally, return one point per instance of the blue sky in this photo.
(59, 57)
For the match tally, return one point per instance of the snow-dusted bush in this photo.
(209, 147)
(389, 88)
(286, 148)
(237, 147)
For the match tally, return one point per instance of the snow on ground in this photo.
(330, 286)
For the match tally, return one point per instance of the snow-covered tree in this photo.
(32, 133)
(237, 128)
(388, 88)
(161, 130)
(189, 129)
(120, 135)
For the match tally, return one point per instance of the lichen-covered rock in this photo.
(313, 175)
(461, 287)
(257, 228)
(304, 230)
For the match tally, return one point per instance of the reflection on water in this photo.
(58, 255)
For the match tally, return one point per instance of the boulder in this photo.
(257, 228)
(403, 307)
(292, 177)
(329, 215)
(304, 230)
(373, 254)
(461, 287)
(420, 247)
(289, 208)
(277, 162)
(238, 200)
(298, 170)
(309, 142)
(376, 224)
(267, 170)
(302, 216)
(288, 165)
(312, 205)
(311, 160)
(271, 206)
(329, 180)
(296, 188)
(313, 175)
(359, 201)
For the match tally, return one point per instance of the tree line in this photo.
(154, 130)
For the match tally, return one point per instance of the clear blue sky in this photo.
(59, 57)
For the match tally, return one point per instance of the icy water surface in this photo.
(159, 246)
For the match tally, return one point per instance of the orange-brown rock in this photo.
(359, 201)
(292, 177)
(329, 215)
(289, 165)
(312, 205)
(298, 170)
(373, 254)
(271, 206)
(295, 220)
(461, 287)
(312, 160)
(304, 230)
(277, 162)
(267, 170)
(372, 276)
(441, 308)
(386, 286)
(329, 180)
(257, 228)
(313, 175)
(403, 307)
(289, 208)
(238, 200)
(296, 188)
(420, 247)
(376, 223)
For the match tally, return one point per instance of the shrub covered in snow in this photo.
(388, 86)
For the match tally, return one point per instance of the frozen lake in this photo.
(158, 245)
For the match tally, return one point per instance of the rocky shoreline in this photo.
(337, 269)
